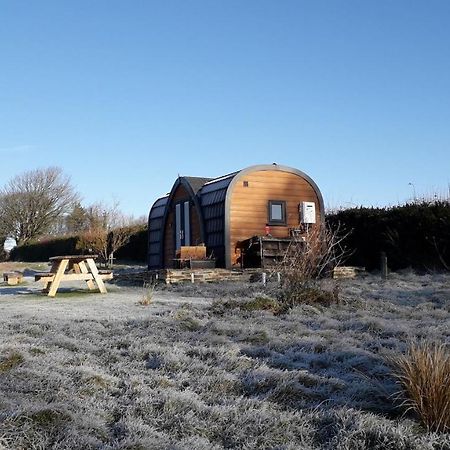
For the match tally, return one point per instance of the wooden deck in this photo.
(172, 276)
(265, 251)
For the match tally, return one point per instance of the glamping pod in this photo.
(228, 213)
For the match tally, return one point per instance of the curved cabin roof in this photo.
(158, 216)
(211, 197)
(156, 231)
(261, 168)
(215, 199)
(196, 183)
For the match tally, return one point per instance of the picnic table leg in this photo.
(58, 276)
(81, 268)
(98, 280)
(46, 287)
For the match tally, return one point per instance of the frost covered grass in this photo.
(212, 367)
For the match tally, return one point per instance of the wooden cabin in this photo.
(269, 202)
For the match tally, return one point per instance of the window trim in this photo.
(276, 222)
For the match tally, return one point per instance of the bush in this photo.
(424, 374)
(305, 262)
(414, 235)
(136, 247)
(44, 249)
(311, 293)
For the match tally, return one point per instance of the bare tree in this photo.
(108, 230)
(31, 203)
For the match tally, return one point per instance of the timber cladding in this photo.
(248, 205)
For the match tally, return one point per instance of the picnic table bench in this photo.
(13, 278)
(73, 268)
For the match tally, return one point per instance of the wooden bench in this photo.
(44, 276)
(186, 253)
(106, 274)
(13, 278)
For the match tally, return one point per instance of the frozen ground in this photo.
(88, 371)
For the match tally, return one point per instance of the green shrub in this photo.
(45, 248)
(136, 248)
(414, 235)
(311, 293)
(260, 303)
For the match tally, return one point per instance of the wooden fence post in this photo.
(384, 266)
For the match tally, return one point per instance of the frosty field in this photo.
(192, 370)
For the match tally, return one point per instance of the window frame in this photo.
(277, 222)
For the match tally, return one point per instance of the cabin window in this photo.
(277, 212)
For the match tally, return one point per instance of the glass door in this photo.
(182, 225)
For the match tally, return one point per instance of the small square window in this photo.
(277, 212)
(245, 183)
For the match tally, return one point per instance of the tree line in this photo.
(43, 202)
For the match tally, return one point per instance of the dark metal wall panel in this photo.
(212, 200)
(156, 232)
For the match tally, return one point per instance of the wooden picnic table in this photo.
(73, 268)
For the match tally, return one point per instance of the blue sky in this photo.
(126, 95)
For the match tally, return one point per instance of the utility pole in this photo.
(414, 190)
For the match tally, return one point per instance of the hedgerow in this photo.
(414, 235)
(135, 249)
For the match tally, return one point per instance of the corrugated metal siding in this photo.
(212, 200)
(156, 232)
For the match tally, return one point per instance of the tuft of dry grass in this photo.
(148, 290)
(424, 374)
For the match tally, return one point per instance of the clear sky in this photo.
(126, 95)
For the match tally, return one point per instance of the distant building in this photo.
(9, 244)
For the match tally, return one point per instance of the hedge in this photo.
(42, 250)
(414, 235)
(136, 248)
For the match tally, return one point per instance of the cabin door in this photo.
(182, 225)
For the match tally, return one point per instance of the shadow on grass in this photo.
(20, 289)
(62, 292)
(77, 292)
